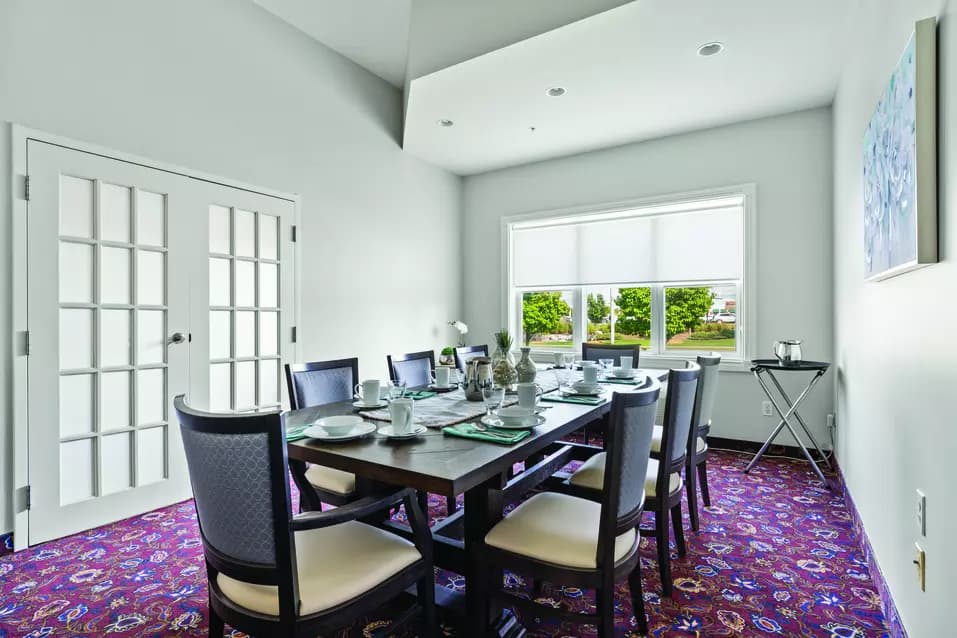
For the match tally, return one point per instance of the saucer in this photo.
(416, 430)
(571, 391)
(443, 388)
(361, 405)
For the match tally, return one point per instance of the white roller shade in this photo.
(702, 241)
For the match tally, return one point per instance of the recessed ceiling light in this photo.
(555, 91)
(446, 123)
(711, 48)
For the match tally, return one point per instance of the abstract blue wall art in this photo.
(900, 164)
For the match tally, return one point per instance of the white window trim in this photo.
(747, 297)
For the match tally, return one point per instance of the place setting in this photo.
(372, 394)
(586, 390)
(623, 374)
(402, 426)
(504, 425)
(444, 379)
(347, 427)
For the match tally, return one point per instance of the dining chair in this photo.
(596, 351)
(414, 368)
(274, 574)
(578, 542)
(319, 383)
(464, 354)
(663, 482)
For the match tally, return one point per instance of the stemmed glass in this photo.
(397, 389)
(492, 395)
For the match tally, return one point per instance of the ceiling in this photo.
(631, 73)
(371, 33)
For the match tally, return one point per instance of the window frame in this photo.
(657, 354)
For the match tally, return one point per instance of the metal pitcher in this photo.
(478, 373)
(787, 351)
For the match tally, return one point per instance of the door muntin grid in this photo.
(244, 309)
(113, 323)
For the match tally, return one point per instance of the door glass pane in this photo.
(219, 282)
(220, 334)
(245, 334)
(268, 237)
(151, 278)
(114, 338)
(114, 400)
(76, 339)
(245, 233)
(76, 471)
(150, 218)
(150, 396)
(115, 468)
(268, 333)
(76, 273)
(701, 318)
(150, 336)
(219, 230)
(245, 283)
(245, 385)
(114, 275)
(150, 455)
(268, 285)
(115, 213)
(268, 382)
(76, 207)
(76, 404)
(220, 386)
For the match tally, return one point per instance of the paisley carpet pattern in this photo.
(777, 554)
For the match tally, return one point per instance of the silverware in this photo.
(484, 429)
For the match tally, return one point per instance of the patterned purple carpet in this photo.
(776, 554)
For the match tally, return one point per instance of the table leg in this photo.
(797, 414)
(483, 508)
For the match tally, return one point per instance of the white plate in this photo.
(573, 392)
(495, 422)
(369, 406)
(316, 432)
(386, 431)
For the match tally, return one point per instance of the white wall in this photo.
(223, 87)
(897, 373)
(787, 157)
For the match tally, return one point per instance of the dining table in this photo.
(449, 466)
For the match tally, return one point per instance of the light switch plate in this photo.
(921, 513)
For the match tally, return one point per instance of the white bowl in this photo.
(338, 425)
(624, 373)
(582, 386)
(515, 415)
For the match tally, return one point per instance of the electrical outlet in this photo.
(920, 561)
(766, 408)
(921, 513)
(830, 421)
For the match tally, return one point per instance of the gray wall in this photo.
(223, 87)
(787, 157)
(894, 348)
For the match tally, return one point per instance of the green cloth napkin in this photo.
(493, 435)
(621, 381)
(296, 433)
(421, 394)
(581, 400)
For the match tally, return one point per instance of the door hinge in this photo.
(26, 342)
(26, 187)
(27, 495)
(294, 335)
(293, 232)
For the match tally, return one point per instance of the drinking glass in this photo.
(397, 389)
(606, 364)
(493, 396)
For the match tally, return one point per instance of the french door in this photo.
(143, 284)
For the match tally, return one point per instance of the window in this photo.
(669, 277)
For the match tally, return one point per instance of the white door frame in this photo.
(18, 206)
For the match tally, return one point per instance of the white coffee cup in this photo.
(401, 411)
(368, 391)
(559, 358)
(590, 373)
(627, 362)
(528, 394)
(442, 375)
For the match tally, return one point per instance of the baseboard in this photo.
(789, 451)
(6, 543)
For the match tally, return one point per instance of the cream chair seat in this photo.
(331, 480)
(558, 529)
(591, 475)
(335, 565)
(702, 445)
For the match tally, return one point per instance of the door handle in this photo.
(176, 337)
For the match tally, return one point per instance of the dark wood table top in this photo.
(435, 462)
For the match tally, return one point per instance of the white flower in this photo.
(460, 326)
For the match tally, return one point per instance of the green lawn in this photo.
(702, 344)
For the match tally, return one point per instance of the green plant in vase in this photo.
(447, 356)
(503, 365)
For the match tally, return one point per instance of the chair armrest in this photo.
(350, 512)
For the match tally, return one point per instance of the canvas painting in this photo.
(900, 198)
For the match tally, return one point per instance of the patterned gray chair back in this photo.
(631, 425)
(464, 354)
(707, 390)
(414, 372)
(319, 387)
(682, 389)
(595, 352)
(231, 461)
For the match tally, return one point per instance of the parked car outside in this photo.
(724, 317)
